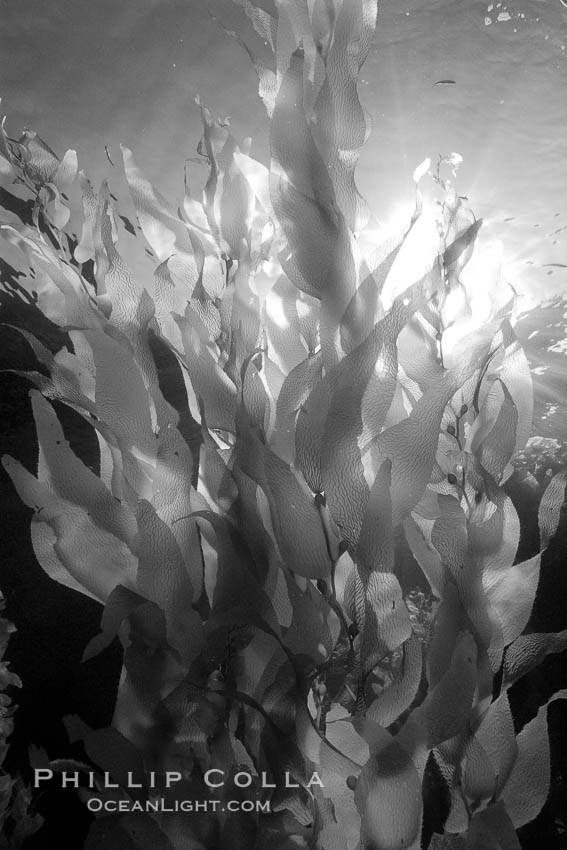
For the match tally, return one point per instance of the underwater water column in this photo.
(281, 460)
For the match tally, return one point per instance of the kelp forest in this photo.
(282, 510)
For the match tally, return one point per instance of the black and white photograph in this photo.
(283, 432)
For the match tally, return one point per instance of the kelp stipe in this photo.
(244, 531)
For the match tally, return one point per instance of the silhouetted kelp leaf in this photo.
(397, 698)
(492, 829)
(516, 373)
(365, 306)
(216, 481)
(448, 842)
(285, 326)
(63, 295)
(349, 734)
(495, 443)
(71, 548)
(165, 233)
(229, 199)
(130, 422)
(290, 503)
(446, 709)
(72, 481)
(388, 796)
(458, 253)
(183, 242)
(494, 534)
(411, 467)
(293, 394)
(503, 401)
(257, 176)
(262, 671)
(112, 752)
(210, 383)
(329, 834)
(527, 787)
(426, 556)
(490, 753)
(7, 165)
(528, 651)
(120, 604)
(341, 126)
(7, 171)
(448, 623)
(256, 399)
(131, 307)
(251, 511)
(66, 173)
(309, 430)
(85, 250)
(162, 578)
(40, 162)
(70, 378)
(503, 580)
(549, 512)
(171, 498)
(460, 228)
(319, 260)
(450, 536)
(382, 618)
(81, 535)
(418, 352)
(444, 714)
(518, 582)
(264, 23)
(346, 410)
(314, 627)
(56, 212)
(238, 592)
(50, 175)
(373, 596)
(244, 318)
(293, 29)
(478, 779)
(317, 748)
(359, 317)
(362, 387)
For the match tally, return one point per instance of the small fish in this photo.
(555, 265)
(445, 83)
(108, 155)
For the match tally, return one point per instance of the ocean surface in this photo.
(485, 80)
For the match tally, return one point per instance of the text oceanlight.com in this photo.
(160, 804)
